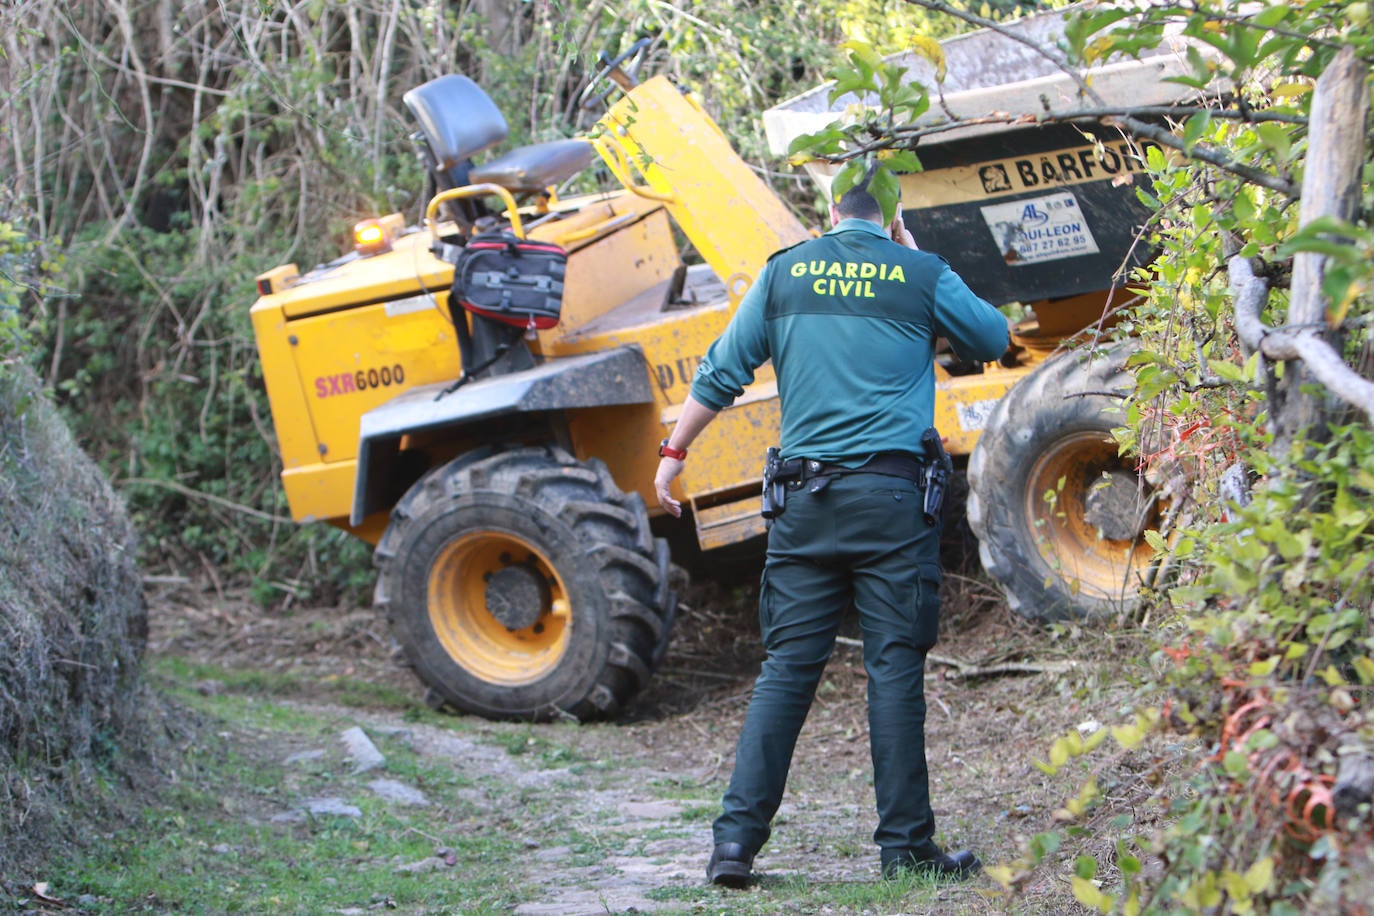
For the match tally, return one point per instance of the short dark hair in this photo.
(858, 202)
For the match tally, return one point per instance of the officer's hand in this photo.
(668, 469)
(900, 234)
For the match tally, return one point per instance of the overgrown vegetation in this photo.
(72, 630)
(1268, 657)
(1252, 414)
(72, 620)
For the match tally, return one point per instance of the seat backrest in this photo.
(458, 119)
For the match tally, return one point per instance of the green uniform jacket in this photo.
(850, 321)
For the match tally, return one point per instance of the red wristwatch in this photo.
(667, 451)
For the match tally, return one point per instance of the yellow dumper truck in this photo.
(480, 395)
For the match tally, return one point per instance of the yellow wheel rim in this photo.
(1061, 486)
(461, 611)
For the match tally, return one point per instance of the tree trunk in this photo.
(502, 22)
(1330, 188)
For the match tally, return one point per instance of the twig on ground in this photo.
(969, 669)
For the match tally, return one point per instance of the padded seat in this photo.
(529, 169)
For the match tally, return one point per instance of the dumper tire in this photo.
(525, 585)
(1075, 551)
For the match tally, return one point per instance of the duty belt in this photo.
(798, 472)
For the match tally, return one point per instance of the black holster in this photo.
(939, 467)
(774, 490)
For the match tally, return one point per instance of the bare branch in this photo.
(1207, 154)
(1250, 292)
(1126, 119)
(198, 494)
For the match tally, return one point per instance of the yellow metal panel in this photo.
(290, 412)
(733, 219)
(408, 268)
(962, 405)
(729, 453)
(730, 523)
(612, 271)
(626, 438)
(1019, 174)
(585, 219)
(324, 493)
(673, 343)
(319, 492)
(371, 530)
(350, 362)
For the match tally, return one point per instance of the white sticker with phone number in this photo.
(1040, 229)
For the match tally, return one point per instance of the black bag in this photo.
(512, 280)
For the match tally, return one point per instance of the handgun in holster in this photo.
(939, 467)
(774, 490)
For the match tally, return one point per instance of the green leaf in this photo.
(1276, 137)
(902, 161)
(886, 190)
(1082, 25)
(1088, 894)
(1242, 207)
(1128, 736)
(852, 173)
(1226, 369)
(822, 143)
(1260, 876)
(1044, 844)
(1236, 765)
(1195, 127)
(1059, 752)
(1271, 16)
(930, 49)
(862, 52)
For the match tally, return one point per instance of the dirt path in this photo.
(645, 789)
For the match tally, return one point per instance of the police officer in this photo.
(850, 321)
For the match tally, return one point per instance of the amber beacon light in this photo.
(371, 237)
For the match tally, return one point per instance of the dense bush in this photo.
(1265, 659)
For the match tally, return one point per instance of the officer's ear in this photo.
(834, 215)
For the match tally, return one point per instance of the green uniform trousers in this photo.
(862, 539)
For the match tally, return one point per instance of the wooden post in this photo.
(1330, 187)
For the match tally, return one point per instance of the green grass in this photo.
(211, 846)
(798, 894)
(180, 677)
(208, 843)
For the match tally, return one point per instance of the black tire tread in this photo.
(613, 530)
(1072, 387)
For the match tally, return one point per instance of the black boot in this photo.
(730, 865)
(957, 865)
